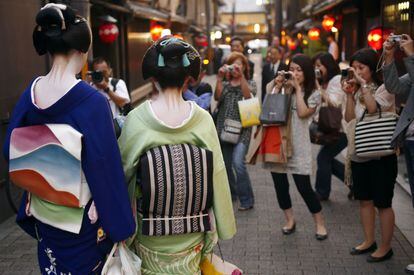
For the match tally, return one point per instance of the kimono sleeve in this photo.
(101, 163)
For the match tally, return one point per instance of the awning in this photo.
(325, 5)
(303, 23)
(146, 12)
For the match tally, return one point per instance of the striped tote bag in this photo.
(373, 134)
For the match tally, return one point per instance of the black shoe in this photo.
(372, 248)
(321, 198)
(288, 231)
(321, 237)
(387, 256)
(351, 194)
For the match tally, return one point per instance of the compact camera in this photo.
(286, 75)
(318, 74)
(395, 38)
(97, 76)
(347, 74)
(229, 68)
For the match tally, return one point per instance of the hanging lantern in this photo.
(291, 44)
(108, 32)
(328, 22)
(156, 31)
(377, 36)
(314, 34)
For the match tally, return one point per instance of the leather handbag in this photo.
(321, 138)
(330, 119)
(275, 109)
(231, 131)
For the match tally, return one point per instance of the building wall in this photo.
(20, 64)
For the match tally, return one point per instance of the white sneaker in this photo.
(410, 269)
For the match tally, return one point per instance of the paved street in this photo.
(259, 246)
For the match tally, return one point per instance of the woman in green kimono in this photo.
(174, 167)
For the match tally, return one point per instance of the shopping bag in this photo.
(275, 109)
(214, 265)
(122, 261)
(249, 112)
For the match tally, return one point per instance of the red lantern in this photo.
(377, 36)
(155, 31)
(328, 22)
(108, 32)
(314, 34)
(292, 44)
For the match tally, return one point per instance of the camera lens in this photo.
(97, 76)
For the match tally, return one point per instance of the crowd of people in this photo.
(165, 189)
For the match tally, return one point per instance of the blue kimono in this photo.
(82, 251)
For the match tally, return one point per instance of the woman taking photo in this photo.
(332, 95)
(62, 150)
(232, 86)
(174, 167)
(373, 178)
(304, 104)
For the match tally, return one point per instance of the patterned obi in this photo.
(177, 190)
(45, 160)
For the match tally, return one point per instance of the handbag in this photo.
(215, 265)
(330, 119)
(231, 131)
(249, 110)
(124, 263)
(321, 138)
(275, 110)
(373, 133)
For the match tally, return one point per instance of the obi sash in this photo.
(45, 160)
(177, 190)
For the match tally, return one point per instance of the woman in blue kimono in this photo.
(62, 150)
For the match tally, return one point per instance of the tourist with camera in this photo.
(233, 86)
(114, 90)
(374, 169)
(404, 85)
(329, 81)
(305, 100)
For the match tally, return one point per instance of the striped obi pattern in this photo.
(373, 135)
(177, 189)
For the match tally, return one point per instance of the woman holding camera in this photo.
(404, 85)
(332, 95)
(304, 104)
(233, 86)
(373, 178)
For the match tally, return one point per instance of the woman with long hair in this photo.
(304, 104)
(373, 178)
(232, 86)
(329, 81)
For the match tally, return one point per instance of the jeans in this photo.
(239, 180)
(328, 166)
(304, 187)
(409, 161)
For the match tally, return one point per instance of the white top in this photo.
(334, 50)
(121, 90)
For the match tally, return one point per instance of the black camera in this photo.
(97, 76)
(347, 74)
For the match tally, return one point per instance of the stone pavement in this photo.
(259, 246)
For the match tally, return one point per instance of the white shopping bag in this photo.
(122, 261)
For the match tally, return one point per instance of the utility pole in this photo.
(209, 49)
(233, 19)
(278, 17)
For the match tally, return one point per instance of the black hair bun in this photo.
(170, 53)
(60, 30)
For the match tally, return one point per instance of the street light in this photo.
(256, 28)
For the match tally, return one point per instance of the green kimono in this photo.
(176, 254)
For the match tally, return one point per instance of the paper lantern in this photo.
(328, 22)
(108, 32)
(156, 31)
(314, 34)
